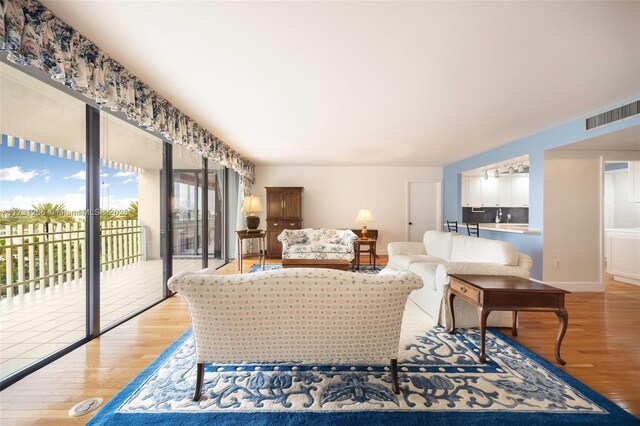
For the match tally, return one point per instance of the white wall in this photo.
(573, 201)
(333, 195)
(625, 213)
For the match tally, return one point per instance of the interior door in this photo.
(424, 208)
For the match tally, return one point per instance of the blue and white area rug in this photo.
(441, 382)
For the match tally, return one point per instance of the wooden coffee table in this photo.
(340, 264)
(507, 293)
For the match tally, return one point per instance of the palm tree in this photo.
(132, 211)
(48, 213)
(108, 215)
(13, 216)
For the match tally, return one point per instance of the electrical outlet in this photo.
(557, 264)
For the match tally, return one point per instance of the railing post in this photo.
(32, 258)
(76, 257)
(67, 249)
(143, 242)
(9, 260)
(58, 237)
(41, 255)
(20, 240)
(51, 263)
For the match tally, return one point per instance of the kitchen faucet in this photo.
(499, 215)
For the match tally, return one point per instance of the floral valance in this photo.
(34, 36)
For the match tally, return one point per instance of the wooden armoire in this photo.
(284, 211)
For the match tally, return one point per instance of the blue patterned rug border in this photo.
(614, 415)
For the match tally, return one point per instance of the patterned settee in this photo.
(317, 243)
(289, 318)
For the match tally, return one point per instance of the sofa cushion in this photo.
(426, 271)
(438, 244)
(314, 248)
(402, 262)
(483, 250)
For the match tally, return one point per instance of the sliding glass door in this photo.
(42, 221)
(95, 215)
(131, 261)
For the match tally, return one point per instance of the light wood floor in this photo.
(602, 349)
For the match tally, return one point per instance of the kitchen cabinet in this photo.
(475, 191)
(505, 191)
(490, 192)
(519, 191)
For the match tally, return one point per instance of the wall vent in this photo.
(616, 114)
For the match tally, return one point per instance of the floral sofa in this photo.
(284, 315)
(317, 243)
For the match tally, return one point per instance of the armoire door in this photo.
(292, 203)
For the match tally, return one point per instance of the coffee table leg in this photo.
(483, 314)
(514, 326)
(563, 316)
(452, 317)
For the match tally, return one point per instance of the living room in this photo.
(134, 134)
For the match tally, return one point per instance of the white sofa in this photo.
(317, 243)
(303, 315)
(443, 253)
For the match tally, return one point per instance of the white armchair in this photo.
(300, 315)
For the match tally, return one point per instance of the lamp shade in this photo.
(364, 215)
(251, 204)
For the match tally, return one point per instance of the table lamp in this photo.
(364, 216)
(251, 205)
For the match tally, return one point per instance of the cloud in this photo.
(129, 181)
(81, 175)
(73, 201)
(21, 202)
(47, 179)
(125, 174)
(15, 173)
(82, 188)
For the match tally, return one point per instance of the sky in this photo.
(28, 178)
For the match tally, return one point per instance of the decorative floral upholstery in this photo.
(307, 315)
(317, 243)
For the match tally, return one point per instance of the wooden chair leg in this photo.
(199, 380)
(394, 376)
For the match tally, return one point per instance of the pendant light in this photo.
(486, 175)
(521, 168)
(511, 170)
(496, 174)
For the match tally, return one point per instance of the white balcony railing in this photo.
(33, 258)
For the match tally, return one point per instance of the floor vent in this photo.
(616, 114)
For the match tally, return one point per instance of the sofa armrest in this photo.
(284, 239)
(179, 276)
(525, 262)
(475, 268)
(405, 248)
(349, 237)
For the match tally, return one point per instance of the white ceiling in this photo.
(372, 83)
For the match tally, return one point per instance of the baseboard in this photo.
(576, 286)
(626, 279)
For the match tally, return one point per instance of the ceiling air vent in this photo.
(616, 114)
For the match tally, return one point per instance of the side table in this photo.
(246, 234)
(507, 293)
(371, 250)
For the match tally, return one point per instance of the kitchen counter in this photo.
(515, 228)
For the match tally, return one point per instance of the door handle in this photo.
(410, 223)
